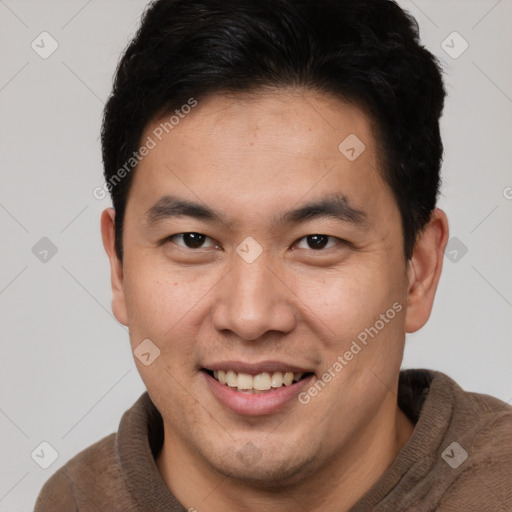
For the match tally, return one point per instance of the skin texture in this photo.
(251, 158)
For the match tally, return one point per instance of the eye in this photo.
(318, 242)
(192, 240)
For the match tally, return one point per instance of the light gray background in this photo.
(66, 370)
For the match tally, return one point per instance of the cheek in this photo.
(348, 302)
(345, 298)
(165, 304)
(164, 307)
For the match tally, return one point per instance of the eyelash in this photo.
(304, 238)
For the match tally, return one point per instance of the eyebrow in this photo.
(334, 206)
(170, 206)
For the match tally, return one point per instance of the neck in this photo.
(338, 485)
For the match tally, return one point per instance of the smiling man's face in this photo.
(254, 292)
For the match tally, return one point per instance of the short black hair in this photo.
(363, 51)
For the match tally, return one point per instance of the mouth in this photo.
(260, 389)
(264, 382)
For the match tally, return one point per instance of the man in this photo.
(274, 169)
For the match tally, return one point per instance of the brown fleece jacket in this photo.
(459, 458)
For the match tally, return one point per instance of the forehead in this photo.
(259, 151)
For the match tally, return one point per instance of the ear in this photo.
(424, 270)
(116, 266)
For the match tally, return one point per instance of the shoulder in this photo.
(88, 478)
(477, 451)
(485, 420)
(462, 445)
(97, 477)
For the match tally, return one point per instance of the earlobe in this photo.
(424, 270)
(116, 266)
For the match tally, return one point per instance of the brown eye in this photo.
(317, 242)
(192, 240)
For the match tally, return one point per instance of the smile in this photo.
(256, 389)
(260, 383)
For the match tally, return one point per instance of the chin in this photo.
(268, 469)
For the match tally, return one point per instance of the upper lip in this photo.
(256, 368)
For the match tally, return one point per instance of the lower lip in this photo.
(255, 404)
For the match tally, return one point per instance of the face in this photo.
(258, 251)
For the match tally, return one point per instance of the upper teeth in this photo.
(261, 382)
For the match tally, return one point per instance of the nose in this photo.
(252, 300)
